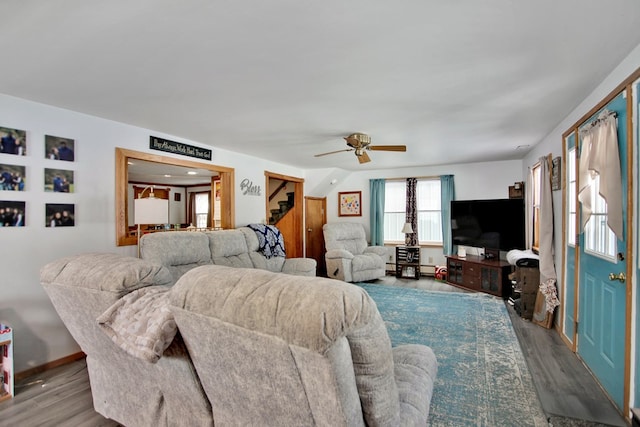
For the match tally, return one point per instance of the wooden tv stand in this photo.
(479, 274)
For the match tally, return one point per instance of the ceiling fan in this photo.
(360, 143)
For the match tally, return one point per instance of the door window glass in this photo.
(571, 196)
(599, 240)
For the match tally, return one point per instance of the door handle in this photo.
(620, 276)
(309, 230)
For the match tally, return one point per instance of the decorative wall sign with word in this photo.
(249, 189)
(174, 147)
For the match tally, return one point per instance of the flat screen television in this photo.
(490, 224)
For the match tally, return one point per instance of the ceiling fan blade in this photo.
(363, 158)
(387, 147)
(332, 152)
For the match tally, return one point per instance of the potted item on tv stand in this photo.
(491, 253)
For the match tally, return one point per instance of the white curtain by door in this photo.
(547, 266)
(599, 157)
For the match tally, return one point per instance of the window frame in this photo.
(536, 172)
(421, 243)
(206, 214)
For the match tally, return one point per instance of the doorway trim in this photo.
(298, 237)
(625, 86)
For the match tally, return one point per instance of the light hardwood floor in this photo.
(566, 388)
(58, 397)
(567, 391)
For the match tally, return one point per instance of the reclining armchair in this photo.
(274, 349)
(349, 257)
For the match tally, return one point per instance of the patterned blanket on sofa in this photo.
(270, 240)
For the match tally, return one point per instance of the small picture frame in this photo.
(12, 177)
(60, 215)
(13, 141)
(12, 214)
(350, 203)
(58, 180)
(556, 178)
(58, 148)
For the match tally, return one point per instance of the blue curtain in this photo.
(447, 194)
(376, 220)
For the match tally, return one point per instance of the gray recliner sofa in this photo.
(181, 251)
(124, 388)
(349, 257)
(253, 347)
(280, 350)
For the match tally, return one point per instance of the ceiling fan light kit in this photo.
(360, 142)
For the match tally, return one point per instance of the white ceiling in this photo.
(144, 172)
(456, 81)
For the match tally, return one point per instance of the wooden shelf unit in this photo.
(408, 262)
(479, 274)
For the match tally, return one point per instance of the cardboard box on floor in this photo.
(540, 314)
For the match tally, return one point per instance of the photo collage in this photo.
(13, 178)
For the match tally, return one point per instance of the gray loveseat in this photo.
(253, 347)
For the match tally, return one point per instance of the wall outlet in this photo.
(430, 260)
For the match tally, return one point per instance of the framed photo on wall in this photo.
(60, 215)
(12, 177)
(58, 180)
(12, 213)
(58, 148)
(13, 141)
(350, 203)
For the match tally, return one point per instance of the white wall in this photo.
(488, 180)
(39, 335)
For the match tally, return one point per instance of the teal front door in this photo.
(602, 288)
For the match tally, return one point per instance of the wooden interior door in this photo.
(315, 217)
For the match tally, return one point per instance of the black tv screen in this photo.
(492, 224)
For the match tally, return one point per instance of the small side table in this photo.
(408, 262)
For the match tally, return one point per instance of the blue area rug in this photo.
(483, 379)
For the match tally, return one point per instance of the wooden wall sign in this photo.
(248, 188)
(174, 147)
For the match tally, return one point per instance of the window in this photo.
(571, 214)
(428, 209)
(202, 209)
(395, 199)
(535, 193)
(599, 240)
